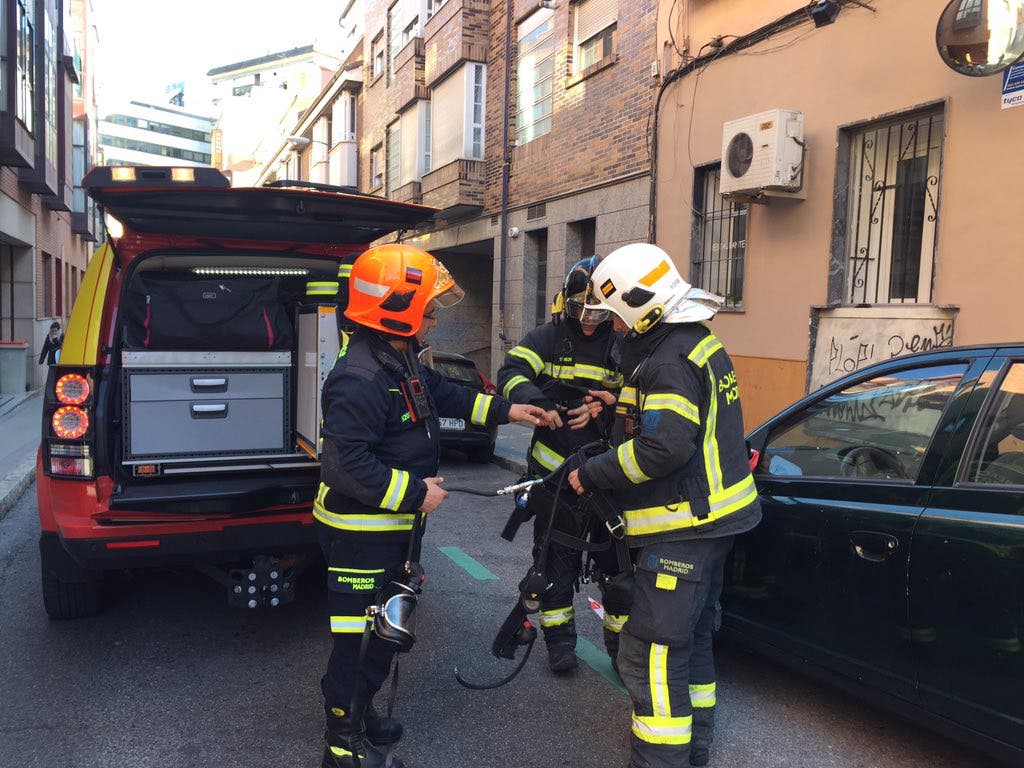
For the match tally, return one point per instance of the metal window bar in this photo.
(893, 211)
(720, 227)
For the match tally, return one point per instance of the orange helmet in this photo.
(392, 286)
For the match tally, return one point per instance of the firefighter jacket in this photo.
(680, 469)
(375, 451)
(554, 365)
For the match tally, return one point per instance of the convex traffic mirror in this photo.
(981, 37)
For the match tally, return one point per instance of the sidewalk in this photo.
(19, 441)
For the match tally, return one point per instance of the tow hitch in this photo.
(269, 582)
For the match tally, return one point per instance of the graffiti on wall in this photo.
(850, 339)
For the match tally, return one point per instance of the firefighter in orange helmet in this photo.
(379, 481)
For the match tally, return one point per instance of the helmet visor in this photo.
(591, 316)
(450, 297)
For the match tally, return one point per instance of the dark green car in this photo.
(891, 554)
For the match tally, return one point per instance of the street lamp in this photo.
(304, 141)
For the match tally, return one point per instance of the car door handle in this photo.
(873, 546)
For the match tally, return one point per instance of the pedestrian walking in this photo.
(50, 353)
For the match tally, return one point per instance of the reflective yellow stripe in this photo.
(356, 570)
(642, 522)
(561, 372)
(702, 696)
(321, 288)
(531, 357)
(627, 460)
(614, 623)
(344, 344)
(348, 625)
(593, 372)
(712, 457)
(663, 730)
(395, 493)
(705, 349)
(657, 676)
(667, 401)
(481, 407)
(363, 523)
(344, 270)
(557, 617)
(511, 384)
(628, 396)
(545, 456)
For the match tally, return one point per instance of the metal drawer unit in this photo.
(182, 406)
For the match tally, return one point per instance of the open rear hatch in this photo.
(202, 205)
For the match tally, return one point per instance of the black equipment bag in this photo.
(188, 312)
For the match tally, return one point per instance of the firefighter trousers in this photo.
(359, 565)
(665, 654)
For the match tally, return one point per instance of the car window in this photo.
(876, 429)
(461, 372)
(998, 456)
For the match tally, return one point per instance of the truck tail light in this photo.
(70, 422)
(69, 432)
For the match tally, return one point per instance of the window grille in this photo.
(893, 214)
(719, 239)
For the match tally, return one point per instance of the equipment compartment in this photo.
(186, 405)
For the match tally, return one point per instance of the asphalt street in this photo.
(169, 676)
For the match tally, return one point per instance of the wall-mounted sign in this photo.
(1013, 86)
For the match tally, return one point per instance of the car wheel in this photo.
(482, 456)
(69, 592)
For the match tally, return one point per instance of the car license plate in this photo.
(453, 425)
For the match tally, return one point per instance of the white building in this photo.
(148, 134)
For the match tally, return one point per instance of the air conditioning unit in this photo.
(763, 153)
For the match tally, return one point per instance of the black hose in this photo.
(507, 679)
(473, 491)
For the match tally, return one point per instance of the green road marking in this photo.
(468, 564)
(598, 660)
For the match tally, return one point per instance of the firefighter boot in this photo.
(611, 644)
(348, 747)
(702, 734)
(561, 643)
(380, 730)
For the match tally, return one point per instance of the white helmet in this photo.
(641, 285)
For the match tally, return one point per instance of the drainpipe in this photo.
(506, 163)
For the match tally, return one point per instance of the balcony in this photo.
(17, 148)
(408, 193)
(456, 33)
(456, 188)
(407, 85)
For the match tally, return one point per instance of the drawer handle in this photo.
(210, 384)
(209, 410)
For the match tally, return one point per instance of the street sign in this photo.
(1013, 86)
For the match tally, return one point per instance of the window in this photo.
(403, 26)
(26, 70)
(432, 7)
(376, 167)
(998, 458)
(426, 137)
(58, 287)
(394, 158)
(476, 113)
(534, 76)
(343, 116)
(415, 133)
(878, 429)
(893, 211)
(457, 116)
(968, 15)
(377, 57)
(50, 112)
(719, 238)
(47, 284)
(537, 257)
(595, 22)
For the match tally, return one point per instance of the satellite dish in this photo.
(978, 38)
(739, 154)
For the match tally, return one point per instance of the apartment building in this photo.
(525, 124)
(139, 133)
(46, 228)
(900, 232)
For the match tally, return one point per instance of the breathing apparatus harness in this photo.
(517, 629)
(407, 372)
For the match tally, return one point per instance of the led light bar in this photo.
(250, 271)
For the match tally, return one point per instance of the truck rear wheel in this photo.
(69, 591)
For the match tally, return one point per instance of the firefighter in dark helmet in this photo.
(679, 472)
(554, 367)
(379, 477)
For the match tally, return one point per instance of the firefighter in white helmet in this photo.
(681, 476)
